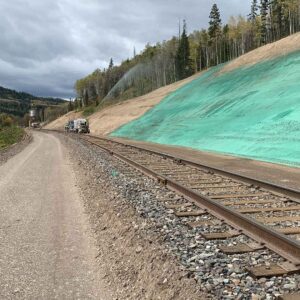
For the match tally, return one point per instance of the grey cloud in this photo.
(45, 46)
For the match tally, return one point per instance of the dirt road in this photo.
(46, 250)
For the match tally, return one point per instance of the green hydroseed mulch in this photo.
(252, 112)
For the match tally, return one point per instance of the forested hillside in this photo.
(17, 104)
(181, 56)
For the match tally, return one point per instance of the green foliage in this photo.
(6, 120)
(254, 9)
(10, 135)
(53, 112)
(18, 104)
(111, 64)
(215, 23)
(264, 13)
(164, 63)
(70, 106)
(88, 111)
(183, 60)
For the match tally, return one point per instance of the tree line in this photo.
(17, 105)
(182, 56)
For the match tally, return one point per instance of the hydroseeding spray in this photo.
(137, 72)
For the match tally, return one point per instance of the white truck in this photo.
(81, 126)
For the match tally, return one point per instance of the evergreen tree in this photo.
(215, 31)
(183, 61)
(111, 64)
(215, 23)
(264, 8)
(278, 19)
(75, 103)
(70, 105)
(254, 9)
(85, 99)
(134, 52)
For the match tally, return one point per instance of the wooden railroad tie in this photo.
(194, 213)
(295, 296)
(241, 248)
(204, 223)
(221, 235)
(279, 269)
(176, 206)
(230, 203)
(214, 187)
(237, 196)
(268, 209)
(278, 219)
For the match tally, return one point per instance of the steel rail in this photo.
(271, 239)
(289, 192)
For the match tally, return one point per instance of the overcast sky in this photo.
(46, 45)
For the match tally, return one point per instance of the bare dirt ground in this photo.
(112, 117)
(279, 48)
(60, 122)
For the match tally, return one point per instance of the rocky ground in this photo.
(12, 150)
(149, 253)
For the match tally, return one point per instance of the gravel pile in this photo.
(219, 275)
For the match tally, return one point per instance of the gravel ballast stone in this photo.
(148, 252)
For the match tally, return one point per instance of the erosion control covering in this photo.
(251, 112)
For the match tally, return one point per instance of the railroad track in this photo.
(268, 214)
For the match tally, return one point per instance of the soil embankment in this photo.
(107, 120)
(270, 51)
(59, 123)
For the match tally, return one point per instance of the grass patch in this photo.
(88, 111)
(10, 135)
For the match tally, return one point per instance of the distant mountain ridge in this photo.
(19, 103)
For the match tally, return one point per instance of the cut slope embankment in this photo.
(59, 124)
(251, 111)
(280, 48)
(109, 119)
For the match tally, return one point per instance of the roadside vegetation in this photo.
(10, 133)
(169, 61)
(17, 105)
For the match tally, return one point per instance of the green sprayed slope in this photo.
(252, 112)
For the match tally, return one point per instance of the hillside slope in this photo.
(112, 117)
(18, 103)
(251, 111)
(282, 47)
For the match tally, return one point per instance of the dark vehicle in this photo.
(69, 127)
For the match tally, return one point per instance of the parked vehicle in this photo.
(69, 127)
(35, 125)
(81, 126)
